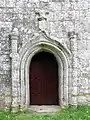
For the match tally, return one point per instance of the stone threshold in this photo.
(45, 108)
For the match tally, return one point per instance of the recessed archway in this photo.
(62, 60)
(43, 79)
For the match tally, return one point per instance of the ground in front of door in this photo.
(45, 108)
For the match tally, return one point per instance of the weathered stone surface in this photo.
(60, 20)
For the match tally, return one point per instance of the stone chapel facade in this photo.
(57, 27)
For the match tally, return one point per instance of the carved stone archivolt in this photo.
(21, 60)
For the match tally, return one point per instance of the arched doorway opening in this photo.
(43, 79)
(26, 55)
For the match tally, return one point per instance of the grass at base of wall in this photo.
(5, 115)
(69, 113)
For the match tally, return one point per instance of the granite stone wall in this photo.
(65, 20)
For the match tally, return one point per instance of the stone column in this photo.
(73, 47)
(15, 71)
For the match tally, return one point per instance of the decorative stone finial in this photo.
(72, 34)
(15, 31)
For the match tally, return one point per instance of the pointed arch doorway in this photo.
(43, 79)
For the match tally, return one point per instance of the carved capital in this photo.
(14, 55)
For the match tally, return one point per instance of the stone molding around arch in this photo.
(20, 87)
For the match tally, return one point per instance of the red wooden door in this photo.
(43, 79)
